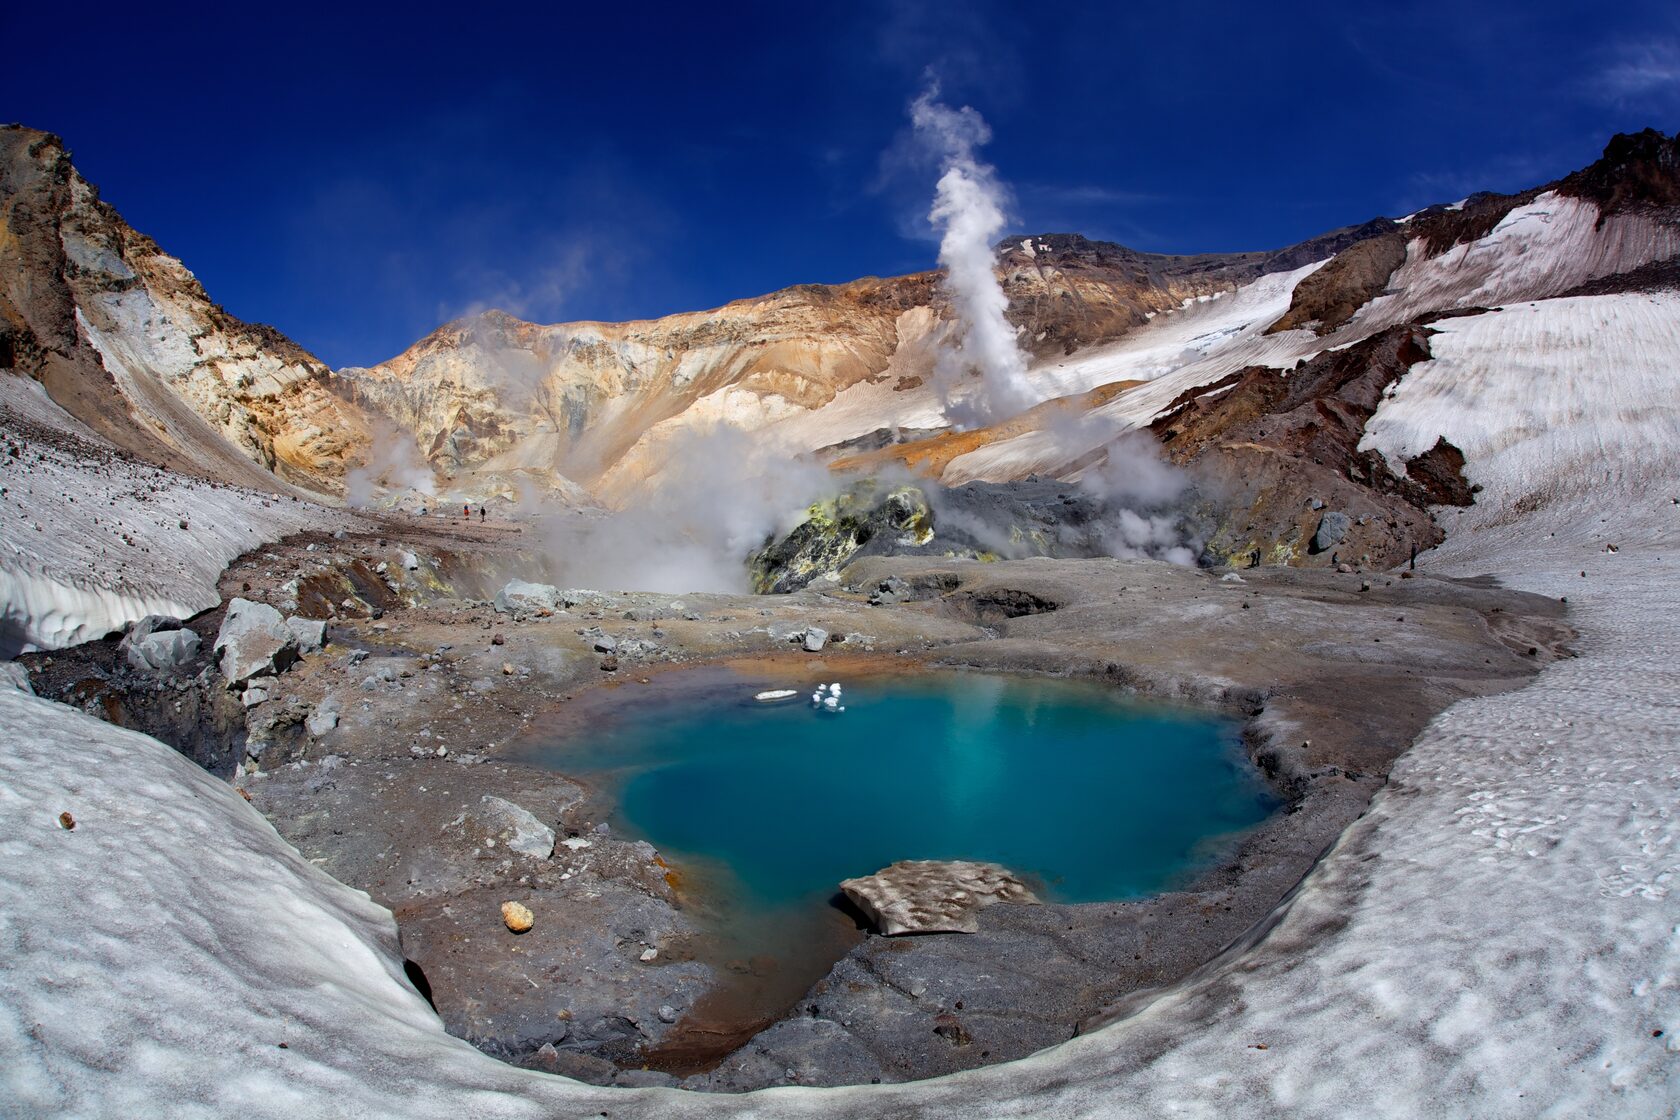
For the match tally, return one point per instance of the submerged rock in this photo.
(253, 639)
(933, 895)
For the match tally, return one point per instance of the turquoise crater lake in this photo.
(1088, 796)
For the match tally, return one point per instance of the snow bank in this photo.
(1550, 401)
(90, 540)
(1538, 250)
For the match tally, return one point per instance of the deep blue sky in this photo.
(356, 178)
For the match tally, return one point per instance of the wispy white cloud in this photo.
(1086, 194)
(1640, 74)
(1505, 173)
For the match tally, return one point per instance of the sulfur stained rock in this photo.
(932, 895)
(518, 916)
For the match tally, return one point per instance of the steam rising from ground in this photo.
(968, 210)
(694, 524)
(1144, 499)
(393, 465)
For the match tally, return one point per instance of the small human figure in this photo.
(1414, 557)
(466, 512)
(481, 515)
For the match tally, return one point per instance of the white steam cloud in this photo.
(717, 497)
(393, 468)
(1143, 496)
(968, 210)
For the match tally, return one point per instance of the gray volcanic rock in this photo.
(815, 639)
(253, 639)
(1332, 527)
(158, 644)
(162, 651)
(311, 634)
(512, 827)
(520, 597)
(933, 895)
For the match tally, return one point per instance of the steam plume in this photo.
(968, 210)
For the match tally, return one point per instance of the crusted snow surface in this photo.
(1529, 392)
(1497, 936)
(91, 540)
(1540, 249)
(1175, 352)
(1228, 327)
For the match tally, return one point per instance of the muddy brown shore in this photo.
(375, 757)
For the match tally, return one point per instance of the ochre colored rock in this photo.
(518, 916)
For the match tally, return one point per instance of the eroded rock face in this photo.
(124, 338)
(933, 895)
(253, 640)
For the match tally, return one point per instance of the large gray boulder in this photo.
(815, 638)
(253, 640)
(1332, 527)
(933, 895)
(511, 826)
(159, 644)
(162, 651)
(520, 597)
(311, 633)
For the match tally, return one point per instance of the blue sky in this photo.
(356, 177)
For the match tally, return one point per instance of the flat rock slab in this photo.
(933, 895)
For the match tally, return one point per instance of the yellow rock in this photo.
(517, 916)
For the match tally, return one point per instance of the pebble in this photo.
(517, 916)
(649, 954)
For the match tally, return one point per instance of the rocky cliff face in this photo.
(594, 401)
(126, 340)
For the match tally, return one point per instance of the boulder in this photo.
(162, 651)
(519, 597)
(322, 720)
(253, 639)
(512, 827)
(599, 640)
(815, 639)
(311, 633)
(933, 895)
(1332, 527)
(151, 624)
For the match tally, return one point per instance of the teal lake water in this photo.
(1090, 797)
(764, 808)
